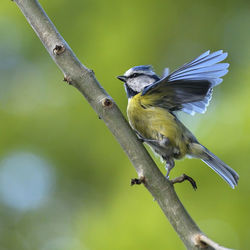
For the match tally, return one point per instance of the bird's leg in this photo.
(169, 165)
(163, 142)
(185, 177)
(150, 141)
(140, 137)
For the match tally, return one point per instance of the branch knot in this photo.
(106, 102)
(67, 79)
(58, 50)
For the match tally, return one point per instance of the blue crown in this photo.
(143, 68)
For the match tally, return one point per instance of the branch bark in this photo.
(84, 80)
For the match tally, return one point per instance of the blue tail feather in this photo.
(221, 168)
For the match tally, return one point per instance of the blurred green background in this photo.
(64, 179)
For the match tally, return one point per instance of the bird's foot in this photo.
(184, 177)
(162, 141)
(169, 165)
(136, 181)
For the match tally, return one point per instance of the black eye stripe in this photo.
(135, 75)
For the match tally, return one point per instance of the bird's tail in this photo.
(221, 168)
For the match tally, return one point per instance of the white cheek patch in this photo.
(139, 83)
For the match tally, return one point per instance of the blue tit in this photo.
(153, 103)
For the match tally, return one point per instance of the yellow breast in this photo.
(152, 122)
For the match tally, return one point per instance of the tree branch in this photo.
(84, 80)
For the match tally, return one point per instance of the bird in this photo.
(154, 103)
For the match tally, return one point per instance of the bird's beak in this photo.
(122, 78)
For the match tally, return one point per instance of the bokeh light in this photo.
(25, 181)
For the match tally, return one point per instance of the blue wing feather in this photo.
(198, 107)
(205, 67)
(165, 72)
(200, 59)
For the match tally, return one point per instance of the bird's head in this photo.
(137, 78)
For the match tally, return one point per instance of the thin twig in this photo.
(203, 241)
(84, 80)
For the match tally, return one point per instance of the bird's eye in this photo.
(134, 75)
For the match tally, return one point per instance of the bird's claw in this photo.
(169, 165)
(184, 177)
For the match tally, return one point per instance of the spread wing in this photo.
(190, 87)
